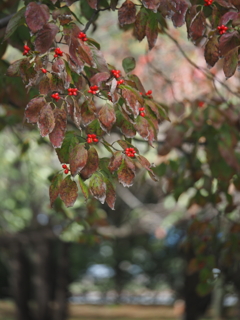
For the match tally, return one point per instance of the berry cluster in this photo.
(64, 166)
(92, 138)
(147, 94)
(116, 73)
(93, 89)
(222, 29)
(26, 50)
(142, 112)
(44, 70)
(208, 2)
(72, 91)
(82, 36)
(130, 152)
(58, 53)
(55, 96)
(120, 81)
(200, 104)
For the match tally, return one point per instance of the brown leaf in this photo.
(178, 18)
(71, 37)
(127, 13)
(98, 78)
(140, 24)
(151, 4)
(45, 37)
(33, 109)
(46, 120)
(230, 63)
(107, 117)
(97, 187)
(36, 16)
(142, 127)
(211, 51)
(125, 175)
(110, 194)
(228, 42)
(13, 70)
(57, 135)
(196, 23)
(115, 161)
(133, 100)
(92, 164)
(56, 83)
(63, 14)
(77, 158)
(54, 188)
(44, 85)
(68, 191)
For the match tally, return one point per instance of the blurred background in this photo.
(170, 249)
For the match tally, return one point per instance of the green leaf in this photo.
(68, 191)
(140, 24)
(128, 64)
(16, 21)
(84, 188)
(152, 29)
(69, 141)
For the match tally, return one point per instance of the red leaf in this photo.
(127, 13)
(133, 99)
(196, 23)
(228, 42)
(125, 175)
(230, 63)
(110, 194)
(44, 85)
(97, 187)
(55, 188)
(36, 16)
(227, 17)
(46, 120)
(107, 117)
(92, 164)
(152, 30)
(57, 135)
(151, 4)
(211, 51)
(98, 78)
(93, 4)
(142, 127)
(178, 18)
(77, 158)
(140, 24)
(71, 37)
(33, 109)
(115, 161)
(88, 110)
(45, 37)
(68, 191)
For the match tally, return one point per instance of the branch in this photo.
(91, 20)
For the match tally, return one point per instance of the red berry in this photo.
(95, 140)
(66, 171)
(44, 70)
(64, 166)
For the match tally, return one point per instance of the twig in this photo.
(91, 20)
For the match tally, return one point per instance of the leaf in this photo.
(46, 120)
(93, 4)
(110, 194)
(95, 127)
(97, 187)
(91, 165)
(16, 21)
(196, 23)
(63, 14)
(56, 83)
(142, 127)
(133, 99)
(151, 4)
(78, 157)
(45, 37)
(211, 52)
(137, 82)
(178, 18)
(152, 29)
(128, 64)
(84, 188)
(115, 161)
(88, 110)
(13, 70)
(140, 24)
(68, 191)
(57, 135)
(100, 77)
(69, 142)
(33, 109)
(125, 126)
(107, 117)
(230, 63)
(54, 188)
(147, 165)
(228, 17)
(228, 42)
(36, 16)
(44, 85)
(127, 13)
(125, 175)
